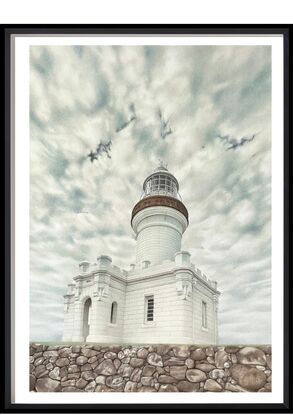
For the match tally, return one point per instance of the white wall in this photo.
(101, 329)
(176, 320)
(159, 231)
(169, 324)
(203, 335)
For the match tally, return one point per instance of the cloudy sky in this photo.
(216, 101)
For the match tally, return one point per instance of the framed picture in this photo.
(146, 201)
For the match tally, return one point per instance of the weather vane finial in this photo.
(162, 166)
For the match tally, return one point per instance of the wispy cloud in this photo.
(105, 100)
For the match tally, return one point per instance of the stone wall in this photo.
(156, 368)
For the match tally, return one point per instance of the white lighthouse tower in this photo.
(162, 298)
(159, 219)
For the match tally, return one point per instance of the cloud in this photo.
(83, 97)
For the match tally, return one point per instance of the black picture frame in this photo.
(7, 406)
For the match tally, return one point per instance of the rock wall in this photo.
(161, 368)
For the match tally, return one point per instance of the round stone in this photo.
(47, 385)
(168, 388)
(130, 386)
(110, 355)
(184, 386)
(217, 373)
(114, 381)
(136, 374)
(163, 349)
(55, 374)
(38, 361)
(209, 351)
(148, 371)
(220, 358)
(116, 363)
(195, 375)
(233, 387)
(41, 371)
(91, 359)
(135, 362)
(90, 387)
(251, 356)
(166, 379)
(126, 352)
(125, 370)
(89, 352)
(146, 389)
(81, 383)
(212, 386)
(63, 361)
(71, 376)
(178, 372)
(189, 363)
(88, 375)
(155, 359)
(73, 369)
(106, 368)
(198, 354)
(50, 353)
(142, 353)
(205, 367)
(174, 361)
(233, 358)
(65, 352)
(231, 349)
(181, 351)
(147, 381)
(71, 389)
(85, 367)
(69, 382)
(81, 360)
(101, 379)
(253, 380)
(249, 378)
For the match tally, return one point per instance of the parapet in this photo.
(104, 261)
(182, 258)
(84, 266)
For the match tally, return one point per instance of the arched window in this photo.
(86, 317)
(113, 312)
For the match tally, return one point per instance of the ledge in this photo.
(160, 201)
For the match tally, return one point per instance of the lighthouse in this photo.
(161, 298)
(159, 219)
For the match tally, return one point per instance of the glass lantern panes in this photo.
(161, 184)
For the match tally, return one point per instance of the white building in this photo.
(162, 298)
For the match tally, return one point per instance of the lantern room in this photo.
(161, 182)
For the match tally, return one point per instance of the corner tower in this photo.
(159, 219)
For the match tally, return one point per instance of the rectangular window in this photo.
(204, 314)
(149, 308)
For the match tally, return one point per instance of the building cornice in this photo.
(173, 272)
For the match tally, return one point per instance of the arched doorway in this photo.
(86, 317)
